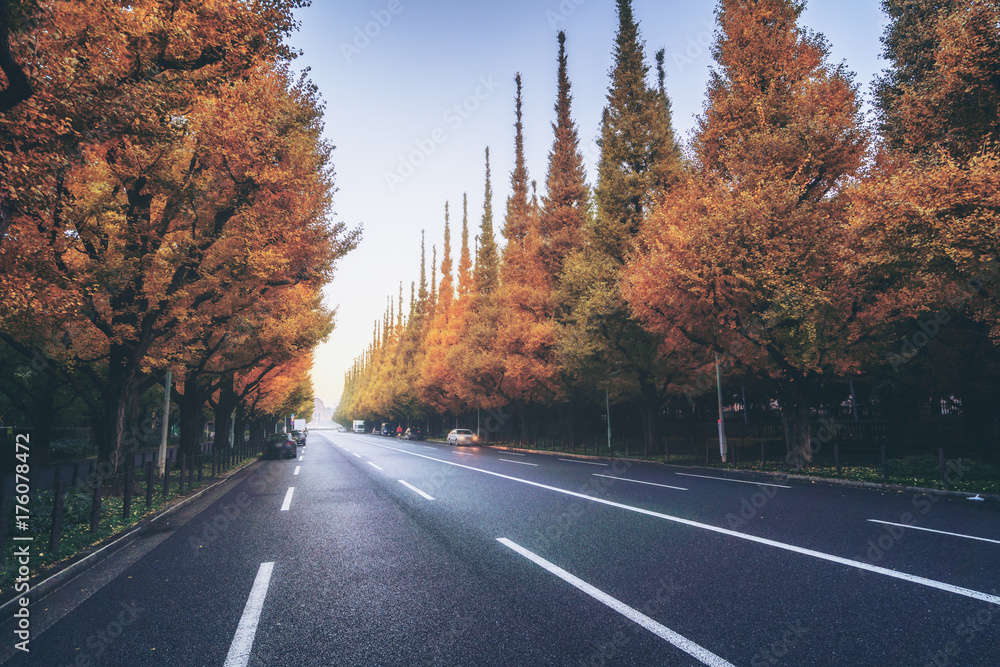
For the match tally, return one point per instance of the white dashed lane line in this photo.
(239, 650)
(586, 463)
(373, 465)
(939, 532)
(738, 481)
(696, 651)
(415, 489)
(522, 463)
(288, 499)
(636, 481)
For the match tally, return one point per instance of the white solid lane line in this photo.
(415, 489)
(288, 499)
(586, 463)
(738, 481)
(373, 465)
(297, 469)
(239, 650)
(696, 651)
(636, 481)
(523, 463)
(940, 532)
(861, 565)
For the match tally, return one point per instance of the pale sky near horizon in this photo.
(416, 90)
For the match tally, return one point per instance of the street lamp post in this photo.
(722, 423)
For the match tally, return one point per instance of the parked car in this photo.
(462, 436)
(376, 431)
(386, 429)
(413, 433)
(300, 437)
(279, 445)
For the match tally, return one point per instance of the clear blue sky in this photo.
(415, 91)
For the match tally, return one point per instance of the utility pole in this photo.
(722, 423)
(161, 459)
(607, 408)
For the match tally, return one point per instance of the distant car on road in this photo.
(462, 436)
(413, 433)
(341, 429)
(279, 445)
(386, 429)
(300, 437)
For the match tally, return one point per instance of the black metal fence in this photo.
(79, 495)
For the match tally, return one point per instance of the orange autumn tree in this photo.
(525, 339)
(926, 213)
(747, 256)
(480, 370)
(143, 211)
(438, 378)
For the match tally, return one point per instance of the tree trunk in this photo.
(118, 397)
(223, 414)
(796, 420)
(240, 425)
(257, 435)
(192, 420)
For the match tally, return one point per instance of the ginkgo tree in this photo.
(748, 255)
(196, 183)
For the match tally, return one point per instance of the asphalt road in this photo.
(372, 551)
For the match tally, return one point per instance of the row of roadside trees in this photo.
(798, 241)
(167, 199)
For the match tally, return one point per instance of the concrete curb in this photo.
(93, 555)
(878, 486)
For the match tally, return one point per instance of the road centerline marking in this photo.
(840, 560)
(288, 499)
(663, 632)
(239, 650)
(521, 463)
(373, 465)
(940, 532)
(415, 489)
(738, 481)
(586, 463)
(637, 481)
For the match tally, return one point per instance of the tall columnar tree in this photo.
(525, 339)
(437, 377)
(482, 371)
(600, 345)
(564, 206)
(638, 150)
(748, 257)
